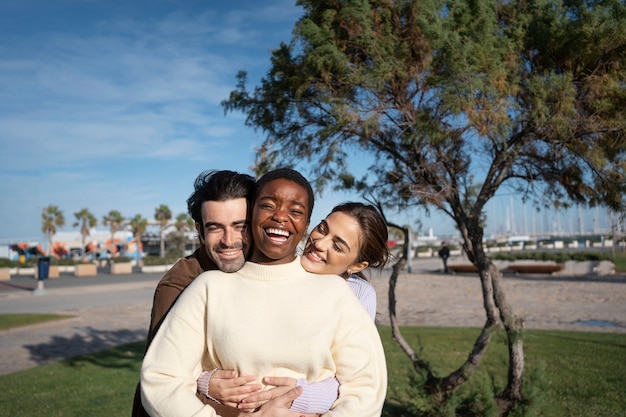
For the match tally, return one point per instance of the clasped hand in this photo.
(240, 391)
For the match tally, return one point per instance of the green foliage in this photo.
(121, 259)
(9, 321)
(86, 220)
(28, 263)
(114, 221)
(157, 260)
(620, 262)
(559, 256)
(162, 215)
(51, 219)
(536, 392)
(138, 224)
(568, 373)
(7, 263)
(433, 89)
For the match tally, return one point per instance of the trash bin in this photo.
(43, 267)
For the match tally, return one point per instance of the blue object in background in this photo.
(43, 267)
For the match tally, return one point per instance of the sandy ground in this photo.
(563, 303)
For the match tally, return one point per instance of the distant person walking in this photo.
(444, 254)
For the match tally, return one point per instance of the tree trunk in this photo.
(495, 302)
(497, 310)
(162, 246)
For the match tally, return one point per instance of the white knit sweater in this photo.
(266, 321)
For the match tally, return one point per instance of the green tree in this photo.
(453, 100)
(183, 223)
(162, 215)
(114, 220)
(86, 221)
(138, 225)
(51, 219)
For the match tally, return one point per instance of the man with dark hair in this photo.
(219, 205)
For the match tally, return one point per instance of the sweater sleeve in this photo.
(172, 363)
(360, 360)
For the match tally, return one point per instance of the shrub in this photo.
(555, 256)
(151, 260)
(7, 263)
(28, 263)
(121, 259)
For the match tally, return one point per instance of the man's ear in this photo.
(200, 232)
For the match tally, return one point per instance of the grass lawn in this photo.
(8, 321)
(620, 261)
(574, 374)
(582, 374)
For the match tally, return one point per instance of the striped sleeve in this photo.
(316, 398)
(365, 292)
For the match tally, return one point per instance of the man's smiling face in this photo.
(223, 232)
(280, 218)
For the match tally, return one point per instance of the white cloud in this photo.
(122, 110)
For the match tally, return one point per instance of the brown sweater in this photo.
(167, 292)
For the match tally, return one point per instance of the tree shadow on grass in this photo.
(128, 356)
(88, 342)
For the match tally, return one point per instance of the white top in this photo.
(365, 292)
(266, 321)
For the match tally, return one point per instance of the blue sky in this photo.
(114, 104)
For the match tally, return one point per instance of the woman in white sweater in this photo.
(351, 238)
(270, 318)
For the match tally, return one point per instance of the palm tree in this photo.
(114, 220)
(162, 215)
(138, 225)
(51, 218)
(183, 223)
(86, 221)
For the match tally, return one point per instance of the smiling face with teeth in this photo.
(223, 232)
(333, 246)
(280, 218)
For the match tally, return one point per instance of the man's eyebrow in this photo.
(209, 224)
(217, 224)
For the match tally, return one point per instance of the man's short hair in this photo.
(219, 186)
(291, 175)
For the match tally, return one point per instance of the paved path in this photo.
(104, 316)
(110, 314)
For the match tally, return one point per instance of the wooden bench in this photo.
(462, 268)
(536, 268)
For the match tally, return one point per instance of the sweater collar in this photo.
(260, 272)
